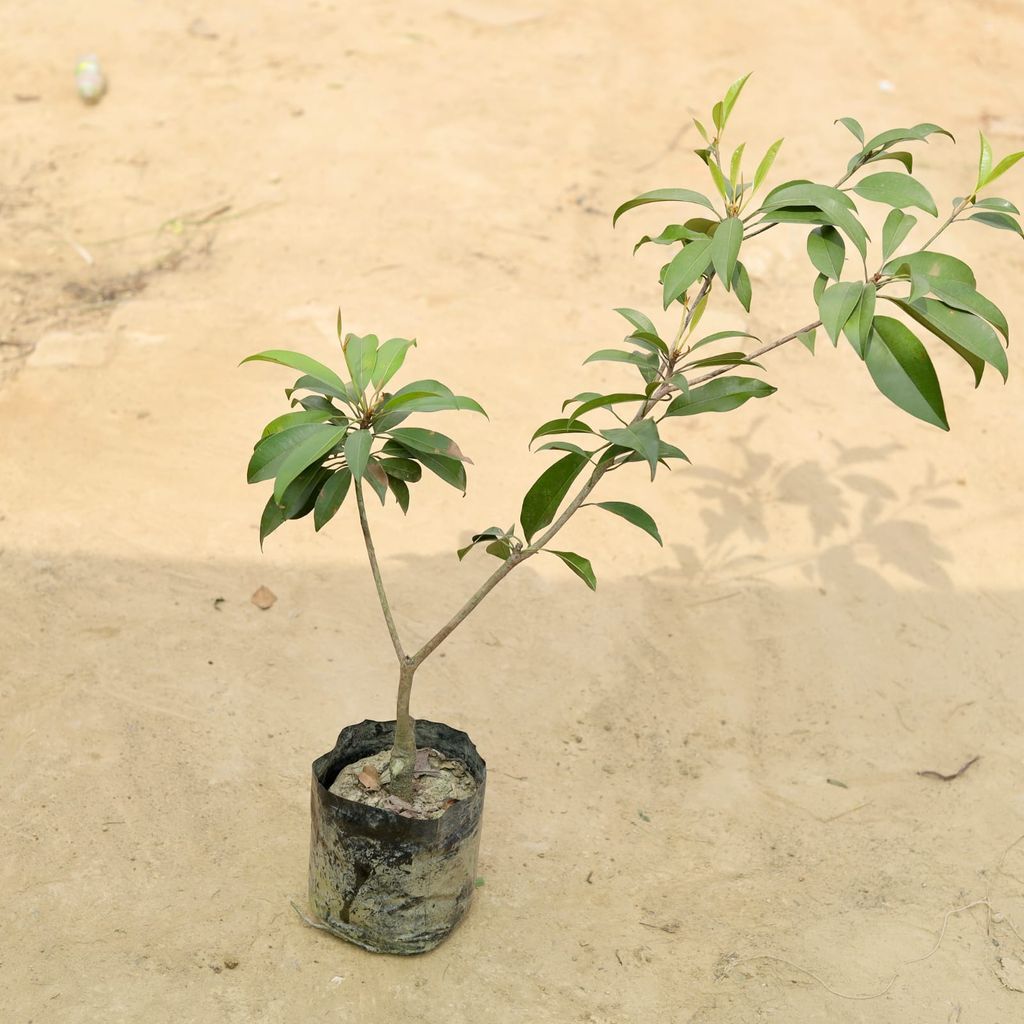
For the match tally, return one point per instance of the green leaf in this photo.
(837, 207)
(298, 361)
(919, 287)
(903, 372)
(720, 336)
(853, 126)
(543, 499)
(686, 266)
(670, 451)
(858, 327)
(561, 426)
(800, 191)
(423, 387)
(638, 320)
(298, 500)
(919, 133)
(664, 195)
(725, 248)
(818, 288)
(309, 383)
(331, 498)
(579, 565)
(272, 450)
(896, 228)
(422, 402)
(1002, 167)
(357, 451)
(935, 265)
(311, 450)
(632, 514)
(583, 396)
(960, 330)
(731, 96)
(501, 549)
(429, 442)
(897, 190)
(994, 203)
(741, 286)
(837, 302)
(735, 164)
(703, 131)
(963, 296)
(674, 233)
(907, 159)
(293, 419)
(1002, 221)
(564, 446)
(722, 359)
(361, 359)
(317, 401)
(273, 517)
(491, 533)
(390, 357)
(614, 355)
(377, 479)
(402, 469)
(723, 186)
(400, 489)
(601, 401)
(649, 341)
(827, 251)
(641, 437)
(766, 164)
(719, 395)
(806, 338)
(451, 471)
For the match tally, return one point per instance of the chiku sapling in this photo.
(352, 434)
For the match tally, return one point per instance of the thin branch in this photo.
(957, 210)
(518, 557)
(377, 579)
(760, 352)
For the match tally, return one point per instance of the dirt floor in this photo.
(704, 804)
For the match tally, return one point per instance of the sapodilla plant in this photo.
(353, 433)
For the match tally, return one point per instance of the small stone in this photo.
(264, 598)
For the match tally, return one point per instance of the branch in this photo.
(754, 355)
(375, 569)
(518, 557)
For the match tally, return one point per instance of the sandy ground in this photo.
(839, 597)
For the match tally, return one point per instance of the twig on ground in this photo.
(929, 774)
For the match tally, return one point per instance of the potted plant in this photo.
(397, 805)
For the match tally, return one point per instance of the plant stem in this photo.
(377, 579)
(516, 558)
(957, 210)
(403, 752)
(760, 352)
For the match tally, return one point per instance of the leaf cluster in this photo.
(351, 430)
